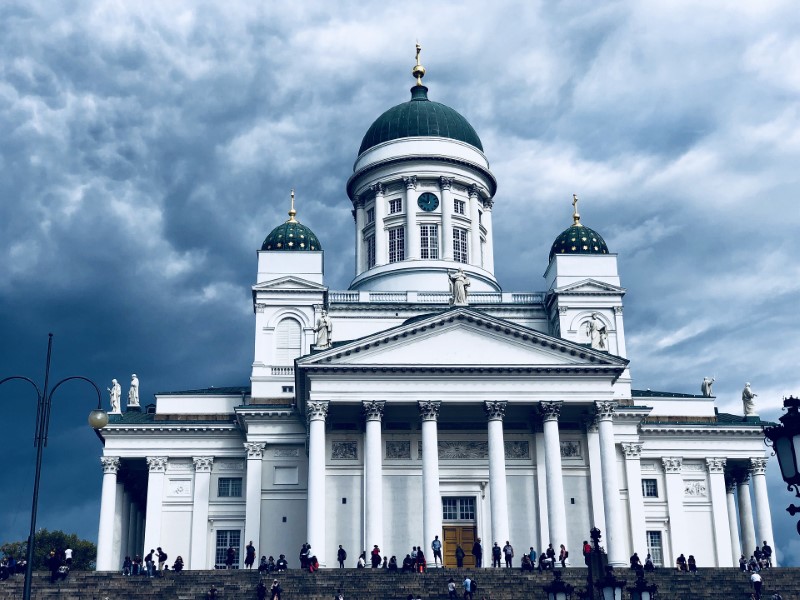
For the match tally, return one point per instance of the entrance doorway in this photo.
(458, 528)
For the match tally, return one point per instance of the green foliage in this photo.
(83, 552)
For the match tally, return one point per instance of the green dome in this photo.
(419, 117)
(578, 239)
(291, 235)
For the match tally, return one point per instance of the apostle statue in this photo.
(459, 283)
(747, 401)
(114, 394)
(705, 387)
(133, 393)
(597, 332)
(324, 329)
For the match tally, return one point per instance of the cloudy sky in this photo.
(149, 147)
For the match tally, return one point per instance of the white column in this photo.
(373, 468)
(746, 516)
(733, 522)
(475, 230)
(675, 491)
(381, 247)
(124, 529)
(620, 331)
(412, 231)
(358, 215)
(758, 470)
(633, 479)
(445, 183)
(719, 509)
(608, 464)
(556, 510)
(541, 488)
(108, 502)
(133, 520)
(252, 511)
(157, 466)
(488, 249)
(595, 474)
(202, 487)
(316, 412)
(431, 497)
(119, 510)
(495, 410)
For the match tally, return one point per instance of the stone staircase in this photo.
(368, 584)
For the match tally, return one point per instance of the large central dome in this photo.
(419, 117)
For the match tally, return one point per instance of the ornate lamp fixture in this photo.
(609, 586)
(641, 589)
(558, 589)
(785, 442)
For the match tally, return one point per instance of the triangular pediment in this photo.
(590, 287)
(289, 282)
(466, 338)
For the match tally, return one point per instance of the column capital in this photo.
(672, 464)
(316, 411)
(445, 182)
(605, 409)
(730, 485)
(255, 450)
(758, 466)
(358, 202)
(379, 188)
(202, 464)
(488, 204)
(632, 450)
(157, 464)
(550, 409)
(474, 190)
(429, 410)
(373, 409)
(110, 464)
(410, 182)
(495, 409)
(716, 465)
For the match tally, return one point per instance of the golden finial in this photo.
(576, 217)
(418, 71)
(292, 211)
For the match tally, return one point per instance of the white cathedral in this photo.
(426, 400)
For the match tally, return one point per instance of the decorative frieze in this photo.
(672, 464)
(157, 464)
(203, 464)
(648, 466)
(517, 449)
(316, 411)
(429, 410)
(758, 466)
(255, 450)
(495, 410)
(695, 489)
(110, 464)
(571, 449)
(550, 409)
(632, 450)
(398, 449)
(715, 465)
(373, 410)
(692, 467)
(180, 466)
(230, 465)
(478, 450)
(342, 450)
(286, 452)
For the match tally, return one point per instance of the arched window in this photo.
(288, 335)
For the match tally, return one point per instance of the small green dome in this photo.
(578, 239)
(419, 117)
(291, 236)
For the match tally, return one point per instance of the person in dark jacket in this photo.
(460, 556)
(477, 552)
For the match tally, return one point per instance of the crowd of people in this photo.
(759, 560)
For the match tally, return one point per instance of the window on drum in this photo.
(460, 248)
(429, 241)
(397, 244)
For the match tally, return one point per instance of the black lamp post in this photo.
(558, 589)
(610, 587)
(641, 590)
(785, 442)
(97, 419)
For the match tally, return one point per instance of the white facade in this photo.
(497, 419)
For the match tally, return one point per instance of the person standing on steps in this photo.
(477, 552)
(250, 555)
(459, 556)
(341, 556)
(148, 563)
(261, 591)
(496, 553)
(508, 552)
(467, 588)
(436, 546)
(755, 581)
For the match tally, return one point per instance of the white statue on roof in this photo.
(133, 393)
(597, 332)
(324, 330)
(459, 283)
(705, 387)
(747, 401)
(114, 394)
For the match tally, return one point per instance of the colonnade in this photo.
(738, 493)
(122, 522)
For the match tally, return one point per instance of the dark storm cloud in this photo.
(147, 151)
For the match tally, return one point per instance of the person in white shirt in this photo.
(68, 556)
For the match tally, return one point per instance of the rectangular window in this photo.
(395, 206)
(450, 509)
(229, 487)
(649, 488)
(397, 244)
(429, 241)
(654, 548)
(370, 243)
(459, 207)
(227, 538)
(460, 245)
(370, 216)
(458, 509)
(288, 389)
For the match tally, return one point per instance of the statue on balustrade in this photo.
(133, 392)
(324, 330)
(748, 402)
(114, 395)
(459, 283)
(705, 387)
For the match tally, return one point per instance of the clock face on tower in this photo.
(428, 202)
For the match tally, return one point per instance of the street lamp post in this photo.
(97, 419)
(785, 442)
